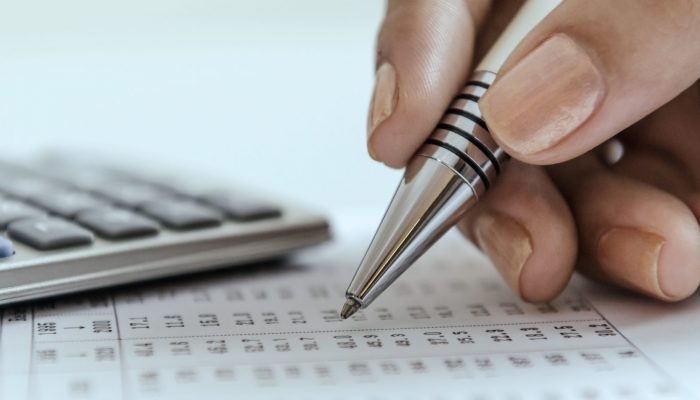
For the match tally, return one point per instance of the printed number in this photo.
(533, 333)
(104, 326)
(46, 328)
(499, 335)
(568, 332)
(602, 330)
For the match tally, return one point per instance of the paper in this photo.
(448, 329)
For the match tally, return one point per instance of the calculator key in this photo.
(68, 203)
(49, 233)
(82, 178)
(117, 224)
(177, 214)
(241, 208)
(6, 248)
(13, 210)
(25, 187)
(132, 195)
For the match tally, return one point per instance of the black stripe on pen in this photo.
(476, 142)
(467, 96)
(468, 115)
(479, 83)
(463, 157)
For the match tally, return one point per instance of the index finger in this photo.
(424, 51)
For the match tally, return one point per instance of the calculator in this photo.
(68, 224)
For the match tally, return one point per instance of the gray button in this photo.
(182, 214)
(132, 195)
(117, 224)
(13, 210)
(49, 233)
(241, 208)
(68, 203)
(25, 187)
(85, 178)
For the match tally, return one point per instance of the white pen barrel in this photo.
(531, 13)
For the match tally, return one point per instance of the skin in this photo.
(648, 53)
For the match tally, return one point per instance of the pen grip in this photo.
(462, 140)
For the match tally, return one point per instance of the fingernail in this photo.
(631, 257)
(545, 97)
(383, 99)
(506, 242)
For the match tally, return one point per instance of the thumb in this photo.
(589, 70)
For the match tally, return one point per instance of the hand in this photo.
(590, 71)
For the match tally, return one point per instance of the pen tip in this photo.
(349, 308)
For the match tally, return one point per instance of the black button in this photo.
(49, 233)
(177, 214)
(68, 203)
(117, 224)
(132, 195)
(13, 210)
(240, 208)
(25, 187)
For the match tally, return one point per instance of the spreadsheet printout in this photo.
(448, 329)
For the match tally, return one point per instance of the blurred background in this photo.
(271, 93)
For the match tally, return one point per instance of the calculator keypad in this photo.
(58, 207)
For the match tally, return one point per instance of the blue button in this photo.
(6, 248)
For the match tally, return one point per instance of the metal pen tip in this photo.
(349, 308)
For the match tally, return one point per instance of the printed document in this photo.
(448, 329)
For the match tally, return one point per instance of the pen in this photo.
(446, 176)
